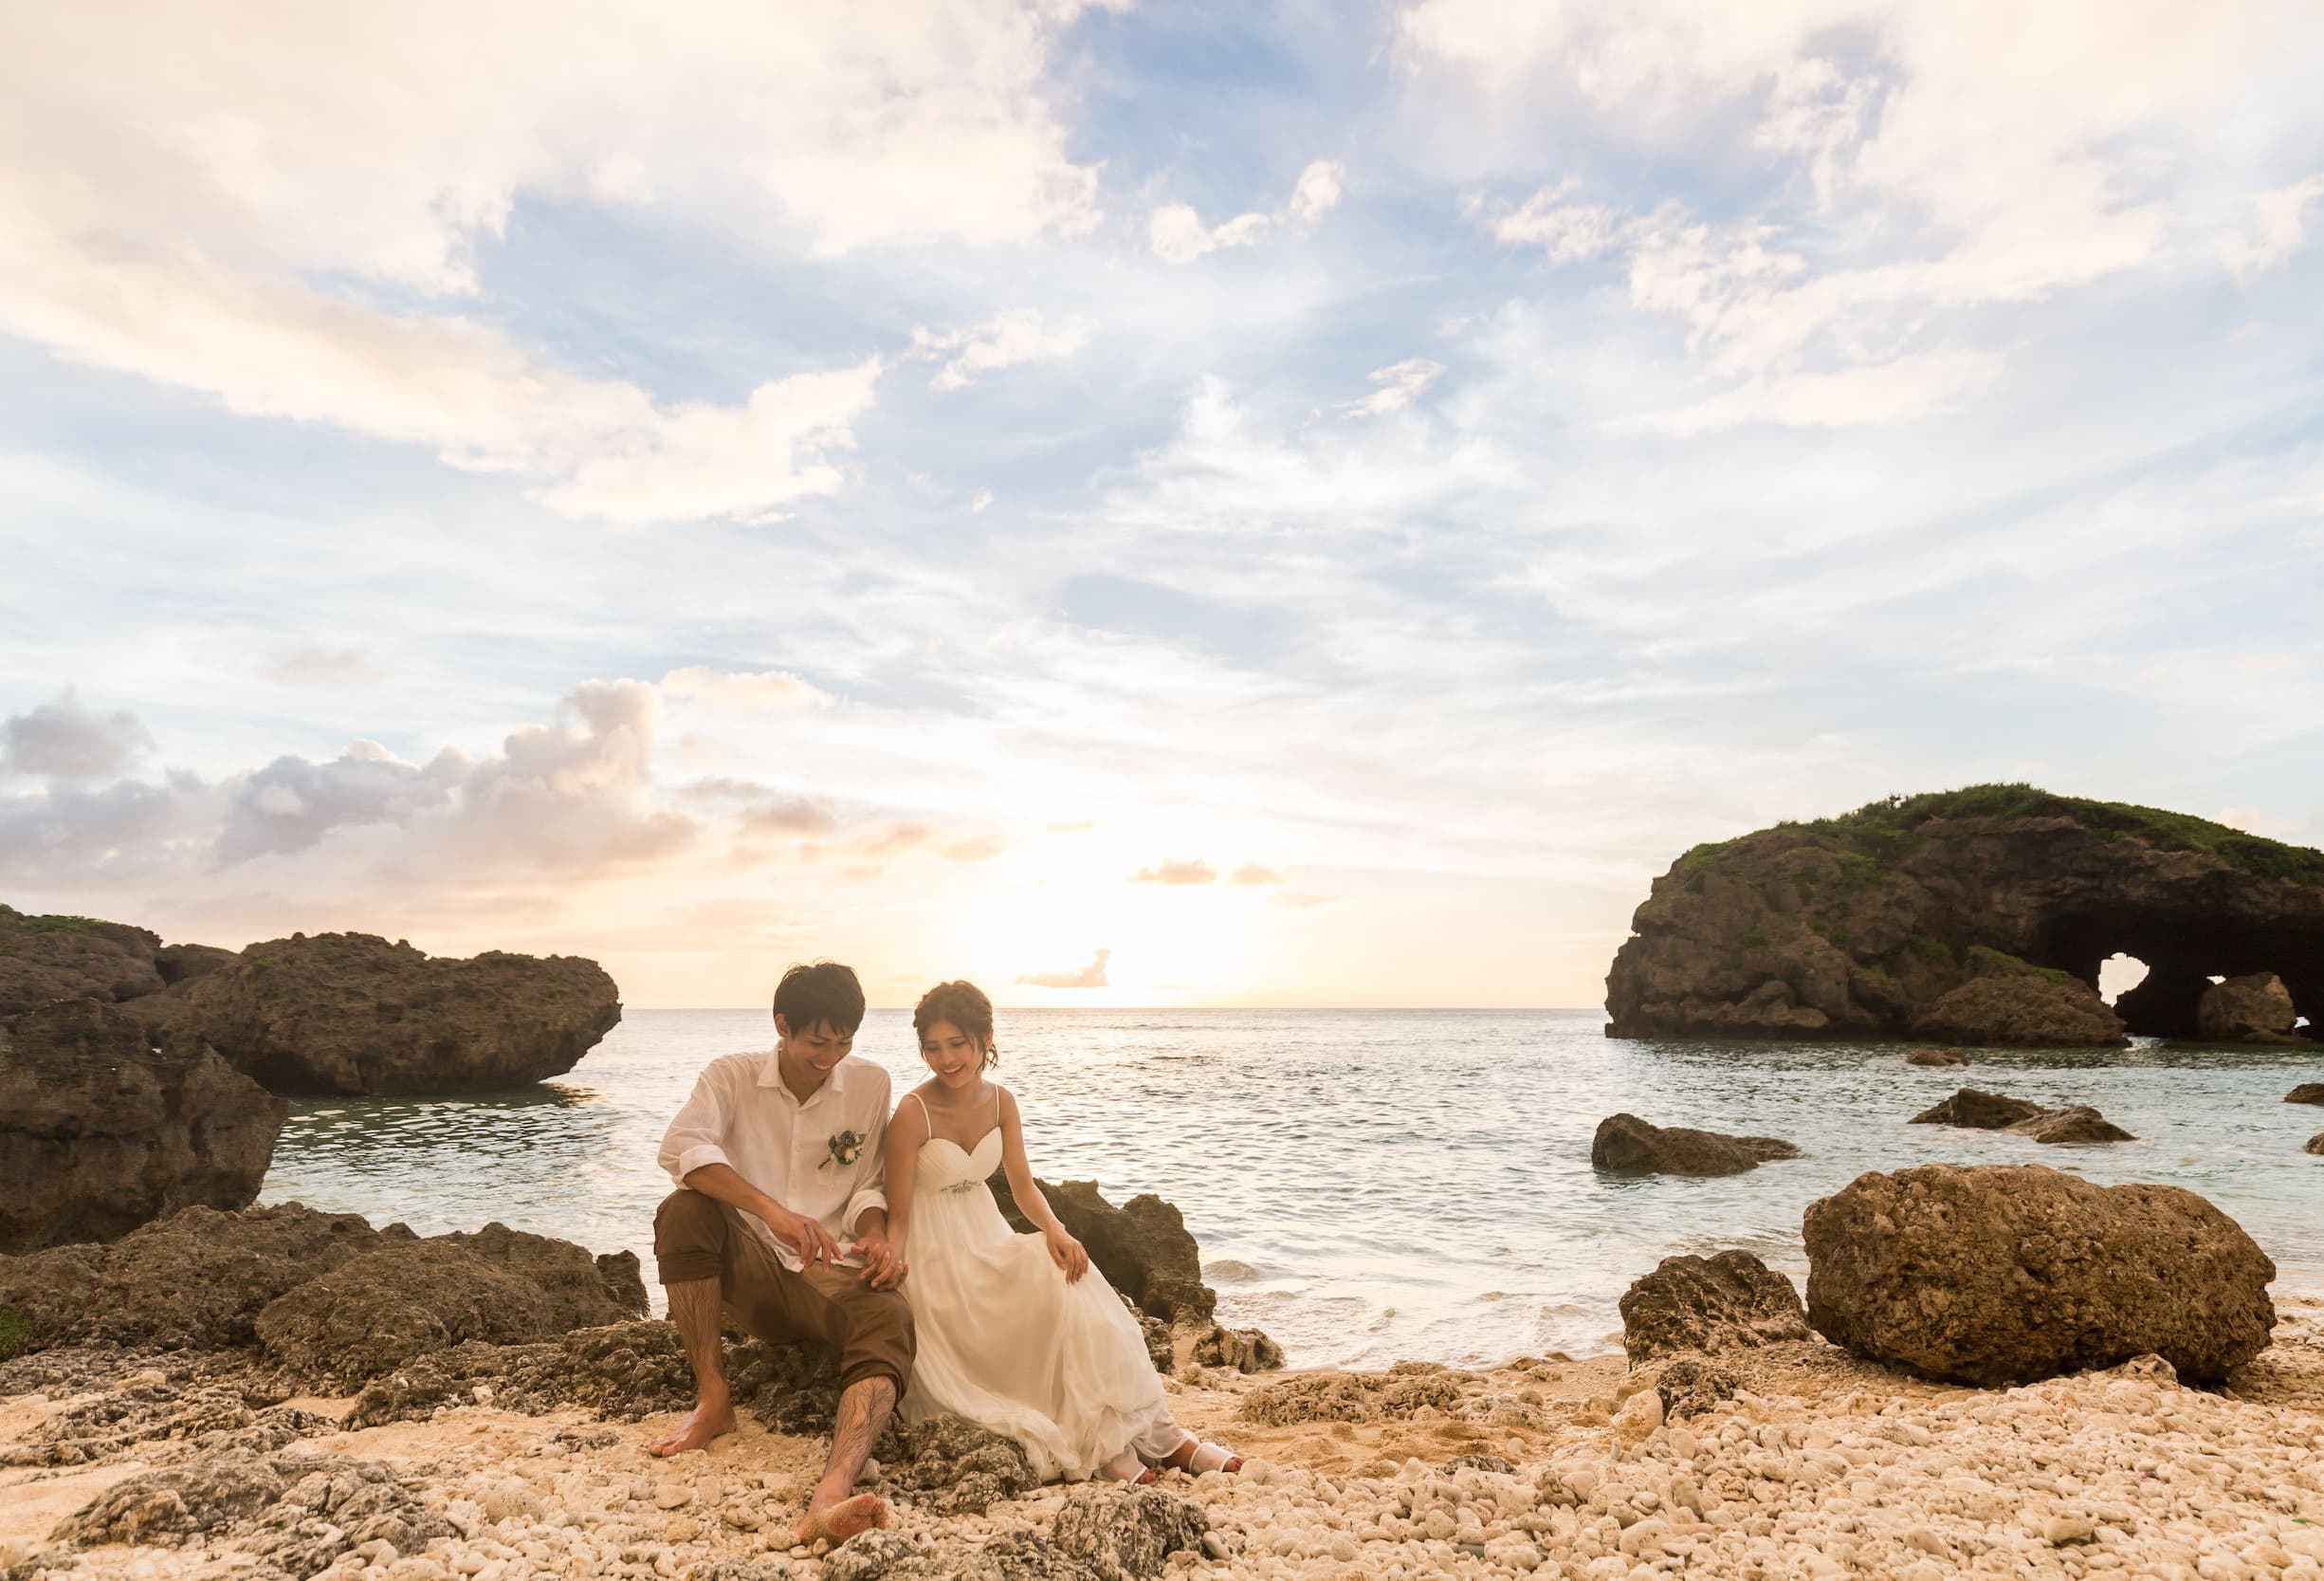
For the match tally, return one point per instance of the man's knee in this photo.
(878, 1339)
(689, 1237)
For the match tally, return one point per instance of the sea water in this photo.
(1367, 1185)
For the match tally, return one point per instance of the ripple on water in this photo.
(1361, 1181)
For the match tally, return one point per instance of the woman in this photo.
(1013, 1332)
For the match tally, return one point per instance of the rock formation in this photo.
(2307, 1092)
(332, 1013)
(1728, 1302)
(1982, 913)
(1971, 1110)
(1628, 1145)
(2315, 1145)
(1937, 1056)
(2007, 1275)
(101, 1131)
(324, 1293)
(2253, 1008)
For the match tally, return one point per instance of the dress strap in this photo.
(927, 1121)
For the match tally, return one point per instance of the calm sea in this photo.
(1367, 1187)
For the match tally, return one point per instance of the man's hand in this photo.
(1067, 1253)
(806, 1236)
(883, 1268)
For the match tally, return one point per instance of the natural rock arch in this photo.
(1898, 919)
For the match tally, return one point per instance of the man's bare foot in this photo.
(837, 1522)
(710, 1419)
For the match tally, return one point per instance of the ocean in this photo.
(1367, 1187)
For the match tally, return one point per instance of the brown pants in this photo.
(700, 1237)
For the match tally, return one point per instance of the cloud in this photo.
(1019, 336)
(2277, 226)
(1195, 871)
(1400, 384)
(66, 740)
(280, 229)
(569, 799)
(1916, 182)
(1091, 976)
(1250, 873)
(761, 690)
(315, 665)
(1318, 190)
(981, 502)
(789, 814)
(1298, 901)
(1178, 235)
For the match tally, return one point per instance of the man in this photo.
(777, 1158)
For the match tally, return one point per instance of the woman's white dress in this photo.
(1005, 1342)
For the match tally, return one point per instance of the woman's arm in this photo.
(906, 1131)
(1066, 1252)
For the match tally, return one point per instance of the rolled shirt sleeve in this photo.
(696, 1135)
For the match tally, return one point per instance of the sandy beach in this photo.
(1820, 1466)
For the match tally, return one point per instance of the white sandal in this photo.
(1202, 1456)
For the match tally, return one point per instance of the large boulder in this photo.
(2253, 1008)
(2315, 1145)
(1628, 1145)
(203, 1280)
(2077, 1123)
(2010, 1273)
(2307, 1092)
(1859, 926)
(101, 1131)
(1728, 1302)
(353, 1013)
(1974, 1109)
(2013, 1005)
(48, 957)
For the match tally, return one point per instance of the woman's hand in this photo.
(1067, 1253)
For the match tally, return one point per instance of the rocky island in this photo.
(1979, 916)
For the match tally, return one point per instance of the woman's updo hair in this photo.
(964, 1005)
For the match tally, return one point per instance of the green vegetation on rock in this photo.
(15, 1332)
(61, 925)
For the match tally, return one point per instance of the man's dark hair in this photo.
(820, 993)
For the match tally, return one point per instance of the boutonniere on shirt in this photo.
(847, 1148)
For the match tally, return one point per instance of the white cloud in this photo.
(1178, 235)
(1091, 976)
(1195, 870)
(67, 740)
(1019, 336)
(2277, 226)
(982, 503)
(761, 690)
(1401, 384)
(1318, 190)
(237, 220)
(315, 664)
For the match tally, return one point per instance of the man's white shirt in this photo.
(740, 1114)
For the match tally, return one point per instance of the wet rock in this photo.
(1160, 1347)
(1937, 1056)
(101, 1131)
(2255, 1008)
(2080, 1123)
(1690, 1385)
(1977, 1111)
(953, 1465)
(1128, 1532)
(1861, 926)
(2007, 1275)
(352, 1013)
(1728, 1302)
(1406, 1389)
(50, 957)
(2307, 1092)
(197, 1278)
(170, 1506)
(1244, 1350)
(2315, 1145)
(2025, 1009)
(1628, 1145)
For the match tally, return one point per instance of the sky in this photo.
(1183, 503)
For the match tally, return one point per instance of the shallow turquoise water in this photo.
(1367, 1185)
